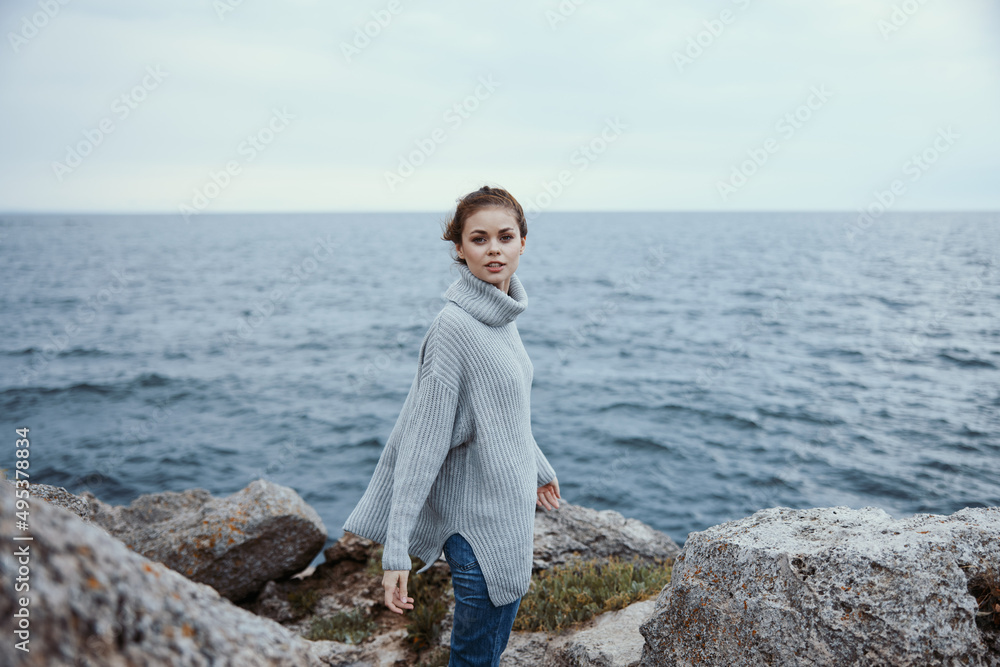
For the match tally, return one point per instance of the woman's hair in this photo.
(484, 197)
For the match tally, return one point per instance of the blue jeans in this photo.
(480, 630)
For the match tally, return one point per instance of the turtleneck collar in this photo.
(485, 301)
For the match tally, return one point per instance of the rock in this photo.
(389, 650)
(574, 531)
(611, 639)
(235, 544)
(273, 603)
(350, 547)
(92, 601)
(528, 649)
(828, 586)
(57, 495)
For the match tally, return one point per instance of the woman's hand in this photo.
(548, 495)
(394, 583)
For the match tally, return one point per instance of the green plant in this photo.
(351, 627)
(424, 627)
(374, 566)
(429, 592)
(572, 593)
(304, 602)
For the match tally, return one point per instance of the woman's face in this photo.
(491, 237)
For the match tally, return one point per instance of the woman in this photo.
(461, 472)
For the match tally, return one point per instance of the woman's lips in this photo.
(495, 269)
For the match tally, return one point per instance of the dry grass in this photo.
(984, 585)
(429, 592)
(565, 595)
(304, 602)
(351, 627)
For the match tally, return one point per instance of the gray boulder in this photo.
(57, 495)
(830, 586)
(576, 532)
(235, 544)
(92, 601)
(611, 639)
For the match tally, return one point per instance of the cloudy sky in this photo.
(242, 105)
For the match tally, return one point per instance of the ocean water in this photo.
(690, 368)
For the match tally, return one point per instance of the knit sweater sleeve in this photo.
(423, 446)
(545, 471)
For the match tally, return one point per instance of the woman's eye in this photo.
(481, 238)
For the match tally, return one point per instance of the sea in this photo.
(690, 368)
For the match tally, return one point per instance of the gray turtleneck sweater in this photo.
(461, 457)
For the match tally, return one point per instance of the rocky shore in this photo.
(189, 579)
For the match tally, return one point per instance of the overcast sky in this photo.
(289, 106)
